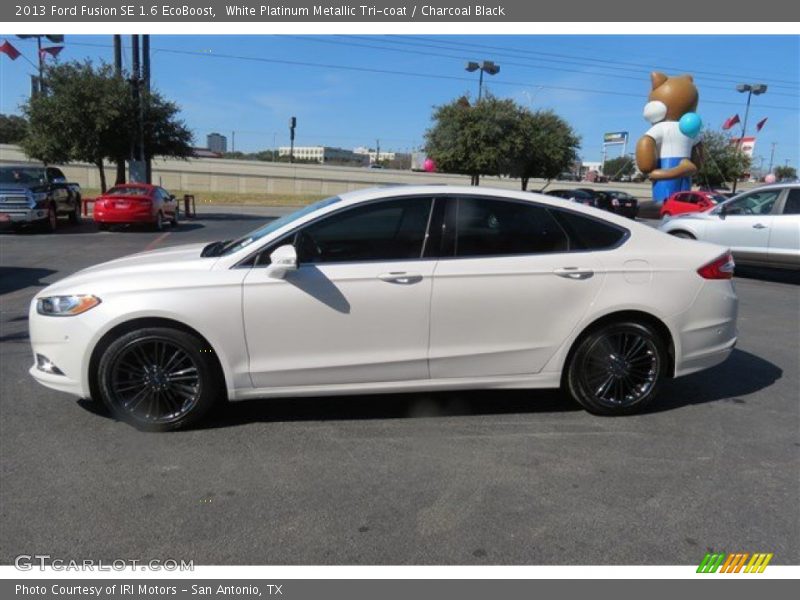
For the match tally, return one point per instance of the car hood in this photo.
(165, 260)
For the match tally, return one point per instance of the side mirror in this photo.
(282, 260)
(723, 211)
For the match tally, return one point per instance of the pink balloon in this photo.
(429, 165)
(770, 178)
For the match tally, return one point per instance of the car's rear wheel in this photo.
(616, 368)
(158, 225)
(683, 235)
(175, 218)
(158, 379)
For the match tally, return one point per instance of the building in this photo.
(325, 154)
(217, 143)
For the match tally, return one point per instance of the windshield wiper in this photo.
(215, 248)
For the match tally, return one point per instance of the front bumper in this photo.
(17, 216)
(64, 341)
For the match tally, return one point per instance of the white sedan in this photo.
(392, 290)
(761, 227)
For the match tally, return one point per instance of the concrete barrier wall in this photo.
(255, 177)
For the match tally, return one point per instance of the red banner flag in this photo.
(760, 124)
(9, 50)
(730, 122)
(51, 50)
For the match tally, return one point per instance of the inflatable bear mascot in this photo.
(670, 152)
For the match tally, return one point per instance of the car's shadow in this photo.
(742, 374)
(17, 278)
(233, 216)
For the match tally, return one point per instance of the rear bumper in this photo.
(707, 332)
(107, 216)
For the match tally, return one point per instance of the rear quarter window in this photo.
(588, 233)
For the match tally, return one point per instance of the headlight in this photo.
(66, 306)
(38, 198)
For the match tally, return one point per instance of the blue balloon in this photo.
(690, 124)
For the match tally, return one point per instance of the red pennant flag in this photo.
(760, 124)
(51, 50)
(730, 122)
(9, 50)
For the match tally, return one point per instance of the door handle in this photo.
(400, 277)
(759, 226)
(574, 272)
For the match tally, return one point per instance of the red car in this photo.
(130, 203)
(688, 202)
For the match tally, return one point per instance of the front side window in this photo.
(384, 230)
(755, 203)
(489, 227)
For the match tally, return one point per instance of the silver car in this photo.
(761, 226)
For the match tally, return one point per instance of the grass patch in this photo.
(234, 198)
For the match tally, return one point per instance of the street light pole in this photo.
(750, 88)
(488, 66)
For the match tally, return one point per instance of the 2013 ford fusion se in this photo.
(392, 290)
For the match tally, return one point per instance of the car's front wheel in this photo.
(159, 378)
(616, 369)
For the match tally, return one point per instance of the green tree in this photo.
(616, 167)
(88, 114)
(12, 129)
(474, 139)
(546, 145)
(722, 161)
(77, 118)
(785, 172)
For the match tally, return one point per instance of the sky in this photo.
(351, 90)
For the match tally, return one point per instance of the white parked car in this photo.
(761, 226)
(392, 290)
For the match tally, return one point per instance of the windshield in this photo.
(24, 175)
(128, 190)
(261, 232)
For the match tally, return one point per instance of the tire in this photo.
(75, 215)
(175, 219)
(50, 224)
(616, 369)
(158, 379)
(159, 224)
(683, 235)
(103, 226)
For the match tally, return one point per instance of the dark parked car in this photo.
(31, 195)
(567, 176)
(621, 203)
(579, 196)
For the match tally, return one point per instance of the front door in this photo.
(746, 224)
(357, 310)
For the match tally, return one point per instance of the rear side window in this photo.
(792, 206)
(588, 233)
(488, 227)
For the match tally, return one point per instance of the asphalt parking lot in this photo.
(512, 477)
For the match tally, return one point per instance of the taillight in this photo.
(719, 268)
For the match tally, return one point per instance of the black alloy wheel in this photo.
(158, 379)
(616, 369)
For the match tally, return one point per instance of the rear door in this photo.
(784, 241)
(509, 288)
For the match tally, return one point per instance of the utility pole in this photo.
(292, 125)
(233, 141)
(145, 98)
(377, 151)
(137, 169)
(120, 178)
(772, 156)
(757, 89)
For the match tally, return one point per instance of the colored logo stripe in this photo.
(734, 562)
